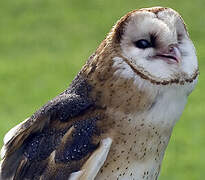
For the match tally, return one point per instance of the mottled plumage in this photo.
(115, 119)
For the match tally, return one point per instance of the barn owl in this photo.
(115, 119)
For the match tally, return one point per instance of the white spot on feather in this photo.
(96, 161)
(75, 175)
(13, 132)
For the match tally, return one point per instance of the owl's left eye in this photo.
(142, 44)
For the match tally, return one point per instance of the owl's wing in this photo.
(58, 141)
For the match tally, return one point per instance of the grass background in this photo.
(44, 43)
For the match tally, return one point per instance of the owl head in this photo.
(155, 43)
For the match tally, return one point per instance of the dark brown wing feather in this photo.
(56, 140)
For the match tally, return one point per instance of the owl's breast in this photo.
(141, 137)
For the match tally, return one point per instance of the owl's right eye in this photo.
(142, 44)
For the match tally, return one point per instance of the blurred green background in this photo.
(44, 43)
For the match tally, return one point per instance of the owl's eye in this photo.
(142, 44)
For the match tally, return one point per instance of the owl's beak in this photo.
(171, 55)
